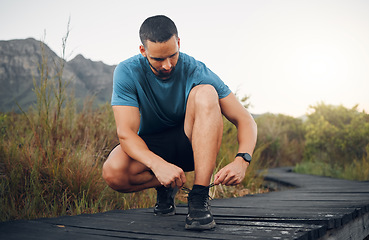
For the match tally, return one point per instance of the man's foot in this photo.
(165, 201)
(199, 215)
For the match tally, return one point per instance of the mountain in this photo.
(19, 65)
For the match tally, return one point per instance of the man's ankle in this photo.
(198, 187)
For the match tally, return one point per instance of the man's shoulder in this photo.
(129, 70)
(191, 64)
(132, 62)
(187, 59)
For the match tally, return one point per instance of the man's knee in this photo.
(115, 178)
(205, 96)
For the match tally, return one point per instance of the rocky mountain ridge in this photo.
(19, 66)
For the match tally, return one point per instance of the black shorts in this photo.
(173, 146)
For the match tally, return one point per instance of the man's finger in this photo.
(183, 178)
(220, 179)
(178, 182)
(225, 181)
(217, 177)
(233, 182)
(228, 180)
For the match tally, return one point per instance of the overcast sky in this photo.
(284, 54)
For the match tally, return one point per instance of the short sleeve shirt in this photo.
(162, 103)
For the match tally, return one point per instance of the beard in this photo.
(164, 74)
(161, 73)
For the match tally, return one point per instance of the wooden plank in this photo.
(148, 214)
(316, 207)
(147, 224)
(37, 230)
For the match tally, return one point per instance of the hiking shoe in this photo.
(165, 201)
(199, 216)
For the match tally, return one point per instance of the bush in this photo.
(336, 135)
(337, 140)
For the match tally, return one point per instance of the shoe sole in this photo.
(165, 214)
(198, 226)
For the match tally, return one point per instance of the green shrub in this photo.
(337, 141)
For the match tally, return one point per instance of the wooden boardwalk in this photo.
(316, 208)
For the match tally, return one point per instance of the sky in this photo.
(286, 55)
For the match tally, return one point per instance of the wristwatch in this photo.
(245, 156)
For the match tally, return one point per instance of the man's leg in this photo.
(124, 174)
(204, 128)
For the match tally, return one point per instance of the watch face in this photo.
(247, 157)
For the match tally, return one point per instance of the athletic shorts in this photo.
(173, 146)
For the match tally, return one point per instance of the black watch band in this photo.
(245, 156)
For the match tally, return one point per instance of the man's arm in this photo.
(232, 109)
(127, 120)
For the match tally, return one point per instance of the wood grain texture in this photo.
(315, 208)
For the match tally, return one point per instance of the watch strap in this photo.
(245, 156)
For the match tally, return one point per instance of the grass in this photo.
(46, 172)
(357, 170)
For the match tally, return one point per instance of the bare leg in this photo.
(204, 128)
(124, 174)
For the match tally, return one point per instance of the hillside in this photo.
(19, 66)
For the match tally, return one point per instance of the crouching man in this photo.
(168, 110)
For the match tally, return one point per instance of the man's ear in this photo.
(142, 50)
(179, 43)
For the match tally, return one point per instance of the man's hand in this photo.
(169, 175)
(232, 174)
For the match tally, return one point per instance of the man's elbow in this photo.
(124, 133)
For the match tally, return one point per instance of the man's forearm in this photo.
(247, 136)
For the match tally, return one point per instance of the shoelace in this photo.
(187, 190)
(201, 201)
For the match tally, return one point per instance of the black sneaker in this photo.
(165, 201)
(199, 216)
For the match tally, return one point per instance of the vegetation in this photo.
(283, 138)
(337, 143)
(49, 163)
(51, 155)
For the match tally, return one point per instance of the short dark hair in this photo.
(158, 28)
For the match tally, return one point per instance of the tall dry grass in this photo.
(51, 155)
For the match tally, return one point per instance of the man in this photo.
(168, 110)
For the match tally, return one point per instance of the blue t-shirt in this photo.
(162, 103)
